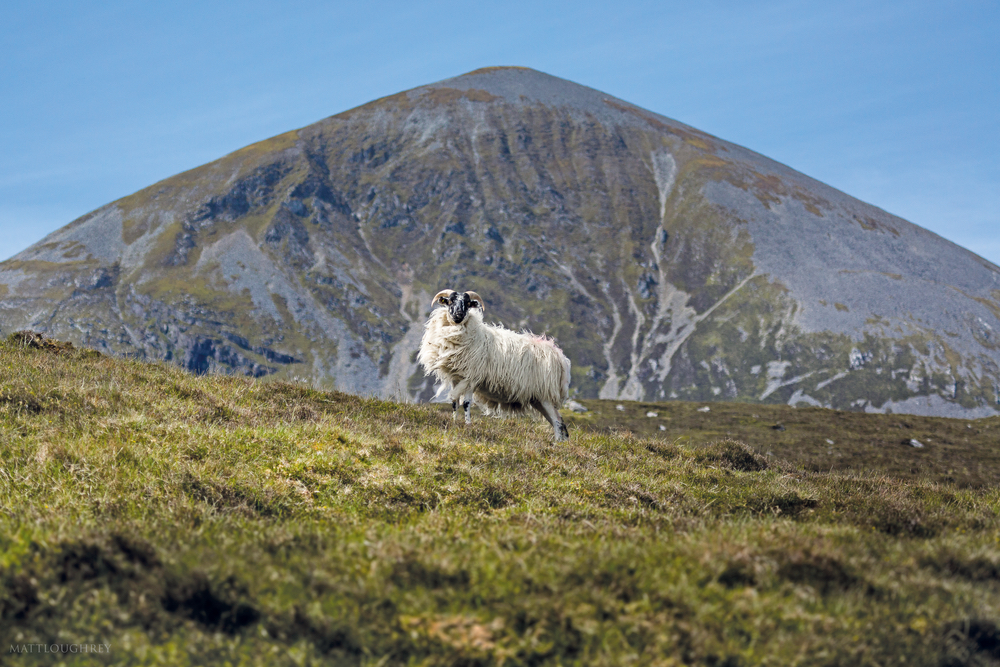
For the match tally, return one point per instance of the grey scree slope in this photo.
(667, 263)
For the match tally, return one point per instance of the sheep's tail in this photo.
(564, 385)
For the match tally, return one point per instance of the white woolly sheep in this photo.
(503, 370)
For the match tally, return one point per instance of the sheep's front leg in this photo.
(552, 415)
(461, 391)
(466, 405)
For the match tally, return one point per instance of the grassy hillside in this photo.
(203, 520)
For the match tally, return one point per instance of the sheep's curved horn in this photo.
(475, 297)
(441, 297)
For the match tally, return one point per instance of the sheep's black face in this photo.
(459, 305)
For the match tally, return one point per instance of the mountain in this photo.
(667, 263)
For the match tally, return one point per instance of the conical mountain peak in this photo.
(666, 262)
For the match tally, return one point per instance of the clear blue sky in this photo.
(894, 102)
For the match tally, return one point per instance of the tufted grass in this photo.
(211, 520)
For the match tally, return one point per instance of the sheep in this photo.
(502, 370)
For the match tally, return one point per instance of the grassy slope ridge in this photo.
(196, 520)
(957, 451)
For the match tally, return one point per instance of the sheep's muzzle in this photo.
(458, 307)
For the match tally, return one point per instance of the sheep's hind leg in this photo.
(552, 415)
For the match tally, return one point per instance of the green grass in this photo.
(962, 452)
(213, 520)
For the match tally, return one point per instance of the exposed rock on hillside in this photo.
(667, 262)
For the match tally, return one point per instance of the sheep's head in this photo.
(459, 303)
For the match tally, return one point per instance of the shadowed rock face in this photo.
(666, 262)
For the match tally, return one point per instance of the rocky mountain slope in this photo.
(667, 263)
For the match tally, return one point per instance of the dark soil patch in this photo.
(218, 606)
(734, 455)
(971, 643)
(824, 573)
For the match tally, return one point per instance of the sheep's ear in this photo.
(442, 297)
(477, 300)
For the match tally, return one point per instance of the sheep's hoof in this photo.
(562, 433)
